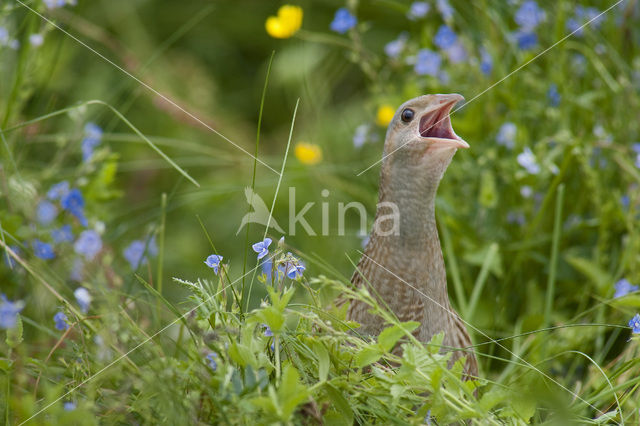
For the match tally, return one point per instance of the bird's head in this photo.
(420, 134)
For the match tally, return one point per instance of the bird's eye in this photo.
(407, 115)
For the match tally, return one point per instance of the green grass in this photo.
(532, 258)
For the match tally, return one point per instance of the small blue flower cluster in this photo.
(553, 95)
(528, 17)
(135, 253)
(83, 298)
(92, 138)
(528, 160)
(9, 312)
(6, 40)
(70, 200)
(211, 359)
(624, 287)
(54, 4)
(507, 135)
(60, 321)
(343, 21)
(582, 17)
(635, 147)
(291, 267)
(634, 323)
(427, 61)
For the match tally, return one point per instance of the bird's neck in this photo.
(413, 252)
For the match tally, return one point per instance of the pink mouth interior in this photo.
(437, 124)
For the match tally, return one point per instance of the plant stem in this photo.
(551, 282)
(163, 218)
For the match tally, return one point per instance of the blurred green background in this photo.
(521, 255)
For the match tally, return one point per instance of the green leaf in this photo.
(340, 403)
(592, 271)
(5, 364)
(368, 356)
(632, 300)
(390, 335)
(524, 406)
(242, 355)
(607, 417)
(323, 361)
(291, 392)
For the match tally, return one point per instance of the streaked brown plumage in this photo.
(404, 264)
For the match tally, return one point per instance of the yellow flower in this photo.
(286, 24)
(385, 114)
(308, 153)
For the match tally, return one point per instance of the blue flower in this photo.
(134, 253)
(343, 21)
(526, 191)
(457, 53)
(292, 269)
(634, 323)
(43, 250)
(62, 234)
(88, 244)
(636, 147)
(59, 190)
(527, 160)
(88, 144)
(83, 298)
(427, 62)
(445, 9)
(267, 268)
(262, 248)
(507, 135)
(46, 212)
(553, 95)
(360, 135)
(36, 39)
(92, 130)
(60, 320)
(211, 359)
(73, 202)
(69, 406)
(418, 9)
(93, 137)
(295, 271)
(4, 36)
(526, 39)
(624, 287)
(9, 312)
(267, 330)
(582, 16)
(624, 200)
(395, 47)
(486, 62)
(445, 37)
(529, 15)
(573, 26)
(213, 262)
(516, 218)
(53, 4)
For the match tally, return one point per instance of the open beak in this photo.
(435, 124)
